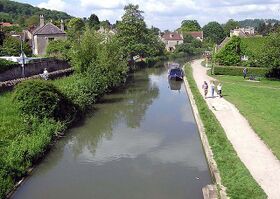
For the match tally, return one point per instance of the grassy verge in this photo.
(22, 142)
(235, 176)
(259, 103)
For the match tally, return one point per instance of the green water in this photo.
(140, 142)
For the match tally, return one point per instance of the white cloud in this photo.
(167, 14)
(54, 5)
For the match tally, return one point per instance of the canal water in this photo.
(140, 142)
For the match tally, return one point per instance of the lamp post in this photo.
(22, 55)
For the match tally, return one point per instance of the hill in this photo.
(256, 22)
(25, 14)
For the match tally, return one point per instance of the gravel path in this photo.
(259, 160)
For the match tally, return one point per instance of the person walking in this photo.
(205, 88)
(244, 72)
(212, 86)
(219, 88)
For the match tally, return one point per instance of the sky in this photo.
(168, 14)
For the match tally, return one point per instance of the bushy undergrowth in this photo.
(42, 99)
(235, 176)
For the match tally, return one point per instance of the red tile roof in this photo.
(172, 36)
(196, 34)
(6, 24)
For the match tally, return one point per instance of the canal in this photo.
(140, 142)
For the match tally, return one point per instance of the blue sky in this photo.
(168, 14)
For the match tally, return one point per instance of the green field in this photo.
(259, 103)
(234, 175)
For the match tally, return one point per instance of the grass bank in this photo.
(235, 176)
(259, 103)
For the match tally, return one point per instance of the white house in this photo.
(171, 39)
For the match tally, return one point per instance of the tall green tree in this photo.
(93, 21)
(230, 25)
(75, 28)
(271, 52)
(11, 47)
(134, 36)
(190, 25)
(214, 32)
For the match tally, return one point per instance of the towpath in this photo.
(253, 152)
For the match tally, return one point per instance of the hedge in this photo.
(238, 71)
(6, 65)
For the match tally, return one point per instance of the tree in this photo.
(135, 38)
(75, 28)
(11, 47)
(32, 21)
(230, 25)
(190, 25)
(93, 21)
(214, 32)
(105, 24)
(231, 53)
(271, 52)
(59, 49)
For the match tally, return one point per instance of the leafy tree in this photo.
(32, 21)
(105, 24)
(135, 38)
(84, 53)
(155, 30)
(2, 37)
(190, 25)
(75, 28)
(271, 52)
(231, 53)
(93, 21)
(230, 25)
(59, 49)
(214, 31)
(11, 47)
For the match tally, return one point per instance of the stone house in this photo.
(40, 36)
(171, 40)
(243, 32)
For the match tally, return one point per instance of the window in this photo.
(50, 39)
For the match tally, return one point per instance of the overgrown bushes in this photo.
(238, 71)
(41, 99)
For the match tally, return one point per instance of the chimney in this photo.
(42, 21)
(62, 25)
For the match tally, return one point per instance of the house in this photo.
(196, 35)
(171, 39)
(7, 24)
(43, 34)
(243, 32)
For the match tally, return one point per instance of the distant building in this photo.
(196, 35)
(40, 36)
(171, 39)
(243, 32)
(7, 24)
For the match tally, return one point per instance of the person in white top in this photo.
(212, 86)
(45, 74)
(219, 88)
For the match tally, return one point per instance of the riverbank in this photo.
(234, 175)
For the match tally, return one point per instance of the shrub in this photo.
(43, 100)
(6, 65)
(238, 71)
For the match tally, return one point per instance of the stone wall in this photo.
(34, 68)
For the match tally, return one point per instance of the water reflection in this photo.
(127, 105)
(175, 85)
(141, 142)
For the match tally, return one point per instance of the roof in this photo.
(196, 34)
(172, 36)
(6, 24)
(48, 29)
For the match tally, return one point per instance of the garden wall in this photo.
(34, 68)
